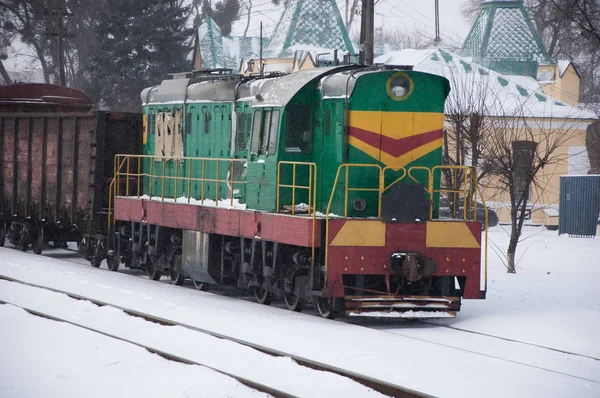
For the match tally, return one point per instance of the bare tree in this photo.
(516, 151)
(584, 15)
(351, 13)
(36, 24)
(467, 112)
(248, 5)
(592, 143)
(416, 38)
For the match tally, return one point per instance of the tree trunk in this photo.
(515, 234)
(249, 8)
(4, 73)
(510, 254)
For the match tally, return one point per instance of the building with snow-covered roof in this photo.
(300, 61)
(504, 39)
(518, 99)
(305, 26)
(563, 84)
(309, 24)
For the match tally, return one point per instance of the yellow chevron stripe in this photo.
(392, 161)
(396, 124)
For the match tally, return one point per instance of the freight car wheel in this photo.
(2, 234)
(263, 296)
(38, 243)
(325, 308)
(177, 278)
(294, 302)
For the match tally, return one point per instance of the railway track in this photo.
(504, 357)
(511, 340)
(305, 366)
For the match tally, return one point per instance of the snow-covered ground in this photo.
(552, 302)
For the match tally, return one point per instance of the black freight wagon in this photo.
(56, 166)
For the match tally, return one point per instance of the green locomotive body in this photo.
(318, 186)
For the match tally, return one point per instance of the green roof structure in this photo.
(211, 44)
(307, 25)
(504, 39)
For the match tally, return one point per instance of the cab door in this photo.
(262, 161)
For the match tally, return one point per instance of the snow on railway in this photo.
(443, 368)
(278, 373)
(44, 358)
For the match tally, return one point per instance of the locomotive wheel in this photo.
(325, 308)
(294, 302)
(95, 262)
(23, 243)
(2, 233)
(263, 296)
(177, 278)
(153, 271)
(201, 286)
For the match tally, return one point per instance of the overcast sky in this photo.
(390, 15)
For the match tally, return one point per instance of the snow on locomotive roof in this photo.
(283, 89)
(273, 91)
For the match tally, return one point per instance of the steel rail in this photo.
(472, 351)
(172, 357)
(380, 386)
(513, 341)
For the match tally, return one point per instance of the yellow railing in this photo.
(347, 188)
(123, 170)
(468, 188)
(311, 187)
(312, 195)
(181, 175)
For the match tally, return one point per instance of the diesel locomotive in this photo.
(320, 186)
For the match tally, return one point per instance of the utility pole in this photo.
(367, 24)
(363, 33)
(437, 23)
(60, 34)
(347, 1)
(370, 40)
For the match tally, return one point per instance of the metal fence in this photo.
(579, 205)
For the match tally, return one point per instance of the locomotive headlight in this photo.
(400, 86)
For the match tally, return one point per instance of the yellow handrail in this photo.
(486, 236)
(469, 186)
(347, 166)
(177, 177)
(312, 196)
(111, 194)
(470, 182)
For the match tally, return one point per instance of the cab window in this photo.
(298, 129)
(264, 131)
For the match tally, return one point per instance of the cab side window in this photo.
(298, 129)
(256, 131)
(265, 129)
